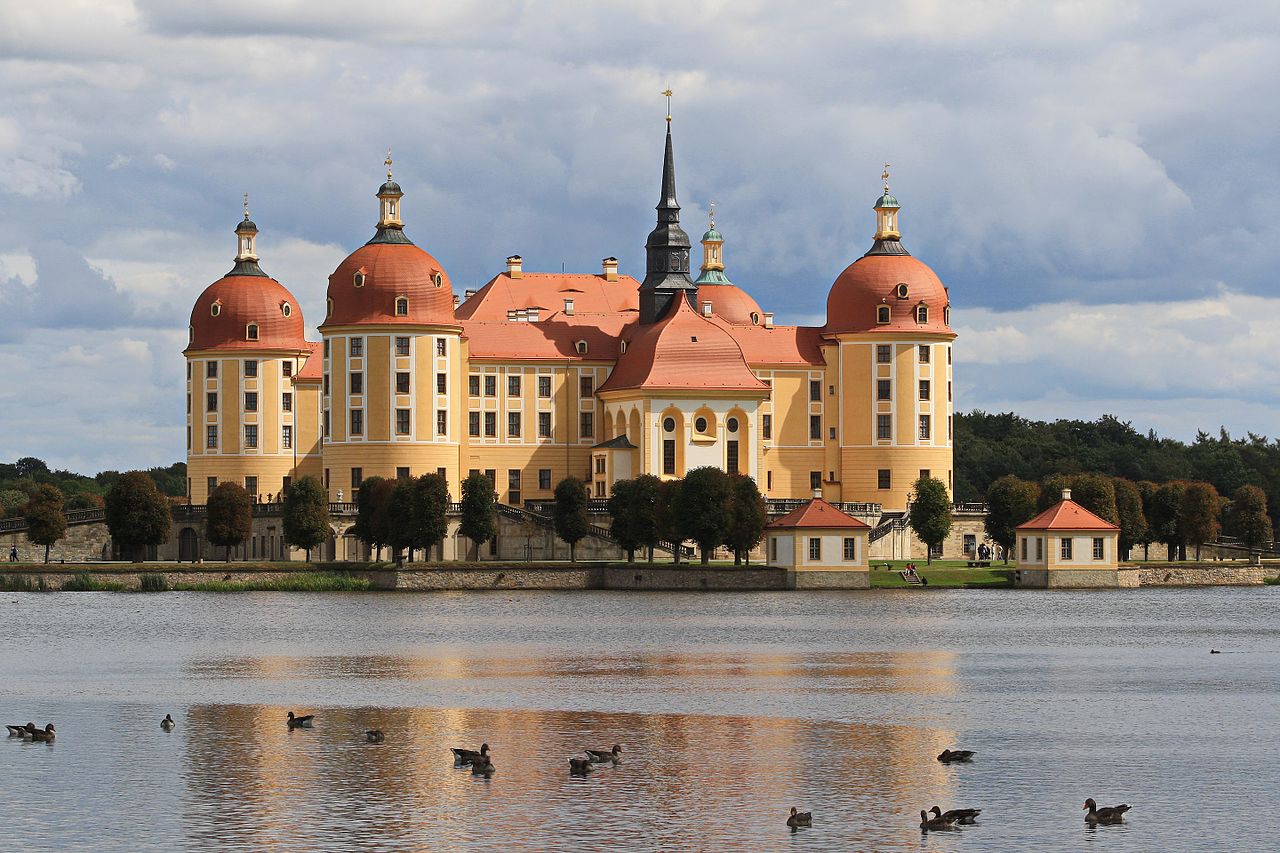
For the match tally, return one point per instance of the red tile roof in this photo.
(779, 345)
(729, 302)
(553, 338)
(1067, 515)
(313, 368)
(683, 350)
(818, 513)
(872, 281)
(242, 300)
(390, 270)
(591, 294)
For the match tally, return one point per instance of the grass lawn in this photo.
(942, 574)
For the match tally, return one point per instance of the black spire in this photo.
(666, 251)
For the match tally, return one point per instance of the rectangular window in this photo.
(286, 436)
(442, 422)
(815, 390)
(357, 477)
(326, 353)
(768, 479)
(586, 425)
(326, 385)
(948, 391)
(513, 424)
(883, 353)
(251, 485)
(326, 423)
(513, 486)
(441, 347)
(924, 473)
(544, 386)
(815, 548)
(544, 425)
(1097, 548)
(923, 349)
(491, 424)
(211, 436)
(211, 401)
(402, 382)
(492, 476)
(211, 483)
(850, 549)
(668, 456)
(402, 346)
(773, 549)
(948, 355)
(251, 401)
(473, 423)
(286, 401)
(490, 385)
(925, 429)
(544, 478)
(326, 478)
(884, 426)
(1039, 550)
(442, 383)
(831, 433)
(585, 386)
(473, 385)
(402, 421)
(815, 427)
(766, 427)
(251, 436)
(883, 479)
(211, 369)
(924, 389)
(251, 368)
(402, 473)
(513, 386)
(1024, 549)
(883, 389)
(357, 422)
(731, 457)
(286, 369)
(357, 347)
(1064, 550)
(815, 480)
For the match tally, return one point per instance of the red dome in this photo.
(730, 303)
(389, 271)
(872, 281)
(242, 301)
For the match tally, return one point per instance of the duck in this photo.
(482, 766)
(167, 723)
(303, 722)
(374, 736)
(580, 766)
(600, 756)
(46, 734)
(957, 815)
(462, 757)
(1214, 652)
(1107, 814)
(799, 819)
(934, 823)
(21, 731)
(949, 755)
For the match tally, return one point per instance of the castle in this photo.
(537, 376)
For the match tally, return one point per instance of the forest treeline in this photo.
(20, 480)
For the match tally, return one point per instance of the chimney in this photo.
(468, 294)
(768, 319)
(706, 309)
(515, 266)
(456, 300)
(610, 269)
(1066, 494)
(568, 307)
(514, 315)
(531, 315)
(817, 494)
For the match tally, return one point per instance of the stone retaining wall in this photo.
(1209, 576)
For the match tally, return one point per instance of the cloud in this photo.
(66, 293)
(165, 163)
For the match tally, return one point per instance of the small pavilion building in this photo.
(1067, 546)
(820, 546)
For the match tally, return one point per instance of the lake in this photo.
(730, 708)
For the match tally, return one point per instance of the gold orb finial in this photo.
(667, 93)
(387, 163)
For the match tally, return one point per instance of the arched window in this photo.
(946, 316)
(328, 307)
(402, 306)
(286, 309)
(358, 278)
(755, 319)
(251, 331)
(215, 309)
(581, 346)
(191, 334)
(882, 314)
(902, 290)
(922, 314)
(437, 279)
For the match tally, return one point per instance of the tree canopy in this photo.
(1010, 502)
(930, 513)
(703, 504)
(1247, 518)
(229, 516)
(46, 523)
(570, 513)
(479, 521)
(136, 513)
(747, 518)
(306, 514)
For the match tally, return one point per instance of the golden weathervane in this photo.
(667, 93)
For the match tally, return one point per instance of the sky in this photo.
(1098, 183)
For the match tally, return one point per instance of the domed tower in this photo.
(717, 295)
(890, 317)
(245, 348)
(391, 396)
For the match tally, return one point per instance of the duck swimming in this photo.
(600, 756)
(301, 722)
(462, 757)
(21, 731)
(799, 819)
(374, 736)
(1107, 814)
(46, 734)
(957, 815)
(167, 723)
(934, 823)
(482, 767)
(949, 755)
(580, 766)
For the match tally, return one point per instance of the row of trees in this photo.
(1176, 513)
(20, 480)
(708, 506)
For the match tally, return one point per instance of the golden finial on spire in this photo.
(713, 214)
(387, 163)
(246, 207)
(884, 176)
(667, 93)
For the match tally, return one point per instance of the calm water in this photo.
(731, 708)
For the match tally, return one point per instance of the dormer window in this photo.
(215, 309)
(437, 279)
(755, 318)
(358, 279)
(191, 338)
(922, 314)
(902, 290)
(286, 309)
(402, 306)
(882, 314)
(581, 347)
(328, 308)
(251, 331)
